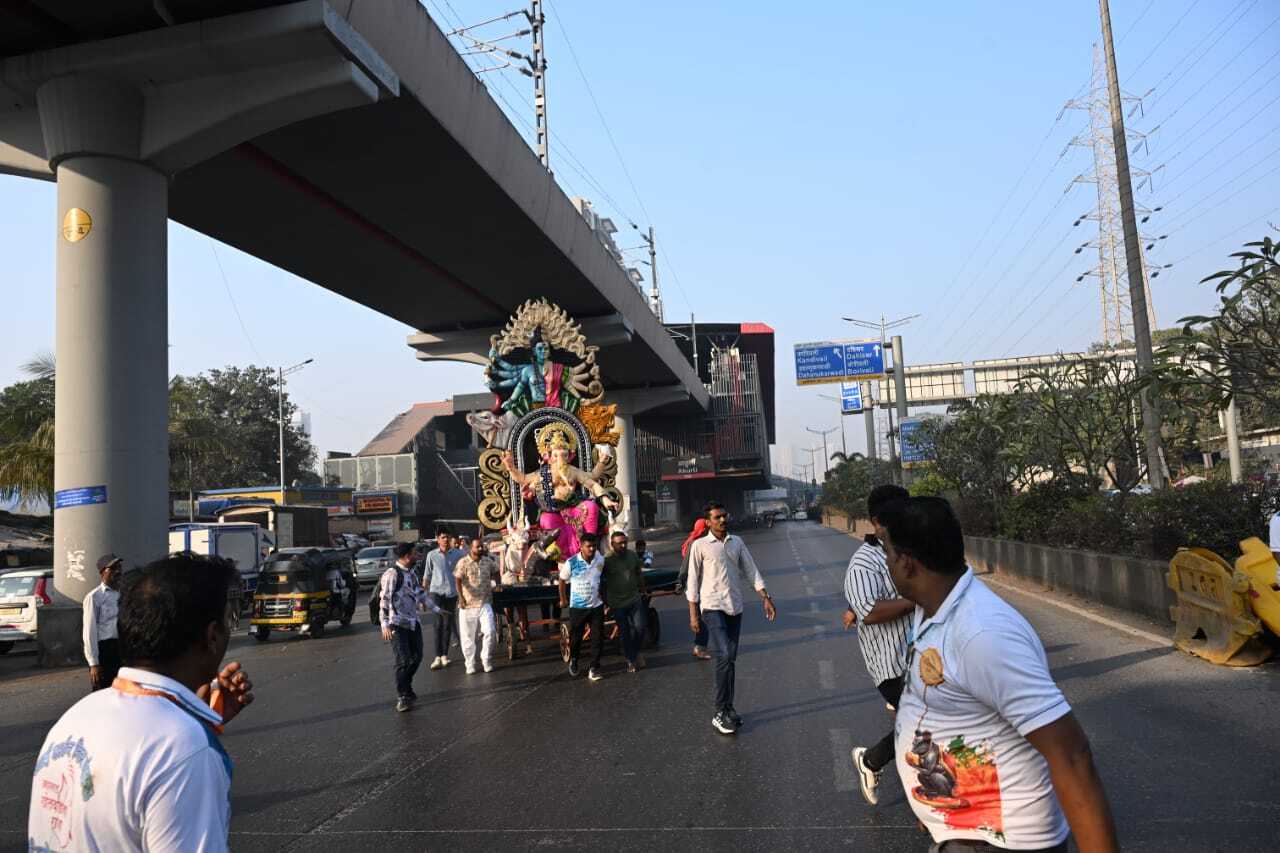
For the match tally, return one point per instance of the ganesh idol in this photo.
(565, 495)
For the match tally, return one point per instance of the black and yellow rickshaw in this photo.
(302, 589)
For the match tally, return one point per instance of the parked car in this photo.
(22, 593)
(371, 562)
(800, 515)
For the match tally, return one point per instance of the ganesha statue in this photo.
(550, 463)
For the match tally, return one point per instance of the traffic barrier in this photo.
(1257, 561)
(1213, 616)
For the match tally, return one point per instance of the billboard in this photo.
(850, 399)
(376, 503)
(912, 450)
(838, 361)
(701, 466)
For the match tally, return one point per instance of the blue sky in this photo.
(800, 161)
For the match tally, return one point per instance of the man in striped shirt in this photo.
(885, 619)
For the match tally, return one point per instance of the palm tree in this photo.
(26, 436)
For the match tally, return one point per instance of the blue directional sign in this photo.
(913, 451)
(83, 496)
(838, 361)
(850, 399)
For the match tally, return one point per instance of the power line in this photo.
(1162, 40)
(1209, 210)
(1208, 130)
(1025, 308)
(1222, 166)
(1230, 233)
(1136, 20)
(227, 285)
(1161, 92)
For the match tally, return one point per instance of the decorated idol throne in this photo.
(549, 466)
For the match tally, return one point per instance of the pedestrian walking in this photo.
(700, 633)
(402, 598)
(586, 609)
(989, 752)
(884, 620)
(99, 631)
(476, 574)
(624, 593)
(437, 577)
(139, 766)
(645, 555)
(718, 565)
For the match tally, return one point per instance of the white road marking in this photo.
(826, 675)
(1085, 614)
(841, 763)
(819, 630)
(813, 606)
(808, 590)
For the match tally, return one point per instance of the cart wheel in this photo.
(511, 630)
(317, 629)
(564, 642)
(655, 628)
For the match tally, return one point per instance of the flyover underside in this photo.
(382, 206)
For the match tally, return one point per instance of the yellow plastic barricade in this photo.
(1257, 561)
(1213, 617)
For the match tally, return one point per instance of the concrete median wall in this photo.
(1128, 583)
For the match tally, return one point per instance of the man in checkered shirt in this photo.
(402, 599)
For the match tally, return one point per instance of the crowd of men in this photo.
(962, 671)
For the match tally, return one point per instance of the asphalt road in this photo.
(526, 758)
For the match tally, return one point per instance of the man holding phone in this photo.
(718, 563)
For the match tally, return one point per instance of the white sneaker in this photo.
(444, 661)
(488, 667)
(868, 779)
(471, 670)
(437, 663)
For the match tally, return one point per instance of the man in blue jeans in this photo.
(624, 593)
(718, 563)
(402, 598)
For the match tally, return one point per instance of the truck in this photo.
(245, 544)
(291, 526)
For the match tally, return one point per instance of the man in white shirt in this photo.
(884, 620)
(139, 766)
(718, 564)
(990, 755)
(586, 607)
(101, 607)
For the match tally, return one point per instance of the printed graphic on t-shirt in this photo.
(63, 780)
(959, 782)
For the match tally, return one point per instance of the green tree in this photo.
(26, 436)
(228, 431)
(850, 483)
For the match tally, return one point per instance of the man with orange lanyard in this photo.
(140, 766)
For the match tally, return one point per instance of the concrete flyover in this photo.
(346, 143)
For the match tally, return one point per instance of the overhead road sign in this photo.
(850, 399)
(838, 361)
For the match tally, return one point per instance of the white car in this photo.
(800, 515)
(22, 593)
(372, 562)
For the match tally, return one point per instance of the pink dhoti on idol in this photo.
(571, 523)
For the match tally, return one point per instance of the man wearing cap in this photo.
(101, 607)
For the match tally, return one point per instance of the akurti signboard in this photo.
(838, 361)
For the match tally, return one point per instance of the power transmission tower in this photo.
(538, 20)
(1111, 271)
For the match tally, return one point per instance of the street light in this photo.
(281, 373)
(898, 367)
(844, 441)
(826, 459)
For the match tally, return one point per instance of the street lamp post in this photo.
(898, 367)
(281, 373)
(844, 440)
(826, 458)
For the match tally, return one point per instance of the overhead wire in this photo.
(1162, 40)
(1159, 92)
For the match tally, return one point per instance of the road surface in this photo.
(527, 758)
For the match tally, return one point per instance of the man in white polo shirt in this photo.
(139, 766)
(989, 752)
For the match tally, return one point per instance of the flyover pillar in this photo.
(626, 483)
(111, 334)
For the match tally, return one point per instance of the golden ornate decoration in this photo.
(555, 435)
(598, 419)
(495, 503)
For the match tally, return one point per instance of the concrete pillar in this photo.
(111, 337)
(626, 482)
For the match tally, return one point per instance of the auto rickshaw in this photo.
(302, 589)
